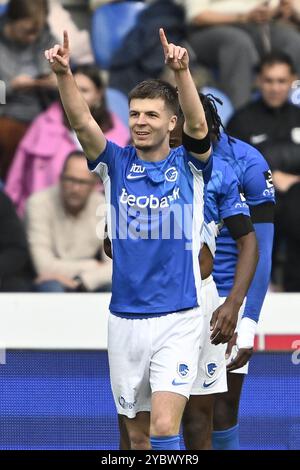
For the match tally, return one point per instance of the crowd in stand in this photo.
(48, 200)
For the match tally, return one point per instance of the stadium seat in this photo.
(110, 24)
(3, 8)
(226, 110)
(117, 103)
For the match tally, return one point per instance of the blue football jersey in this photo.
(155, 218)
(256, 187)
(222, 199)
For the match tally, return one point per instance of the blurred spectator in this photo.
(289, 10)
(61, 226)
(24, 36)
(272, 124)
(140, 55)
(59, 19)
(15, 267)
(230, 35)
(41, 154)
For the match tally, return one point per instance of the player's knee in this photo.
(225, 414)
(163, 426)
(139, 440)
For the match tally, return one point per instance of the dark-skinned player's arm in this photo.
(88, 132)
(236, 216)
(224, 319)
(195, 125)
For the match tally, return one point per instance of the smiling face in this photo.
(275, 82)
(150, 123)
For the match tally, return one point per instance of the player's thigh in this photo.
(129, 358)
(175, 345)
(211, 372)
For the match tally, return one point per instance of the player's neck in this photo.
(152, 154)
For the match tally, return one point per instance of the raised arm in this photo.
(88, 132)
(195, 125)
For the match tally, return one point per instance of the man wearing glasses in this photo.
(61, 227)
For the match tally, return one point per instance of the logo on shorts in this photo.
(205, 384)
(182, 369)
(127, 405)
(175, 382)
(211, 368)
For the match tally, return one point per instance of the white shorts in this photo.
(234, 351)
(150, 355)
(211, 376)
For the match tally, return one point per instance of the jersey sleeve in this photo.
(257, 183)
(196, 166)
(107, 162)
(231, 200)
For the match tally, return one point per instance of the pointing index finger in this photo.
(66, 40)
(163, 40)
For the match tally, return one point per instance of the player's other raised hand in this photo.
(176, 57)
(59, 56)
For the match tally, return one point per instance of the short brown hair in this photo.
(155, 88)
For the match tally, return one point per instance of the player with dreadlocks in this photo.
(224, 203)
(209, 407)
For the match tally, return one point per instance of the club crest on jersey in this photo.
(182, 369)
(171, 174)
(211, 368)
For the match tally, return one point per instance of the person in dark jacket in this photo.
(272, 125)
(15, 264)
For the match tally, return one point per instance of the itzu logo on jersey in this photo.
(136, 172)
(151, 201)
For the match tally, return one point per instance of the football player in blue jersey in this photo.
(255, 183)
(155, 197)
(223, 203)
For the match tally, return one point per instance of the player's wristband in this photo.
(196, 145)
(238, 225)
(246, 333)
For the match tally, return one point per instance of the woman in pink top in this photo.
(41, 154)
